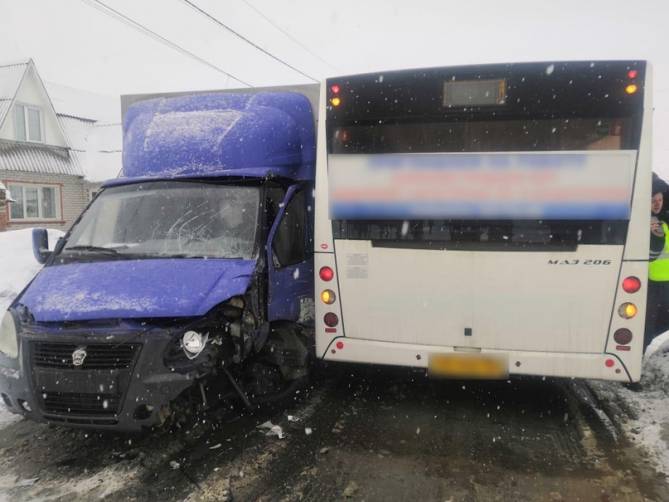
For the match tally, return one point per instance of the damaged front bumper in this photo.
(121, 383)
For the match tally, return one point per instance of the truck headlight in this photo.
(8, 342)
(193, 343)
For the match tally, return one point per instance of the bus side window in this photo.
(289, 244)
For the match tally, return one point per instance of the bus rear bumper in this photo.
(555, 364)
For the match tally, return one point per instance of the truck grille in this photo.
(98, 356)
(76, 403)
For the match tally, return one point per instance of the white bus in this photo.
(481, 221)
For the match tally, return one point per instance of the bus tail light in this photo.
(631, 284)
(630, 89)
(622, 336)
(326, 274)
(632, 74)
(330, 319)
(335, 88)
(328, 296)
(627, 310)
(336, 101)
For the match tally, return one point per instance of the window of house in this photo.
(28, 123)
(34, 202)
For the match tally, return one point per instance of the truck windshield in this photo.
(169, 219)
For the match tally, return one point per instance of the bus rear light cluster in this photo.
(330, 319)
(631, 284)
(622, 336)
(328, 296)
(631, 88)
(326, 274)
(627, 310)
(335, 100)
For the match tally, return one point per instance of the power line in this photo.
(291, 37)
(250, 42)
(101, 6)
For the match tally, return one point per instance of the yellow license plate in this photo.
(467, 366)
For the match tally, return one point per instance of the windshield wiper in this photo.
(91, 249)
(204, 257)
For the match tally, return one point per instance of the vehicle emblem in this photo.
(78, 356)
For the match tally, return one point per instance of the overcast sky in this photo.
(76, 44)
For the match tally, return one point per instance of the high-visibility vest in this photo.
(658, 270)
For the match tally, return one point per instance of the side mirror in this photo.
(41, 245)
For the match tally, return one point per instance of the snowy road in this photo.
(361, 434)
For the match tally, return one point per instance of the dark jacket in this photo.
(656, 242)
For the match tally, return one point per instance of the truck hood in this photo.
(135, 288)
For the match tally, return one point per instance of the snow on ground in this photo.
(17, 267)
(7, 417)
(17, 263)
(647, 406)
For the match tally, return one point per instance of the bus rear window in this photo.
(484, 136)
(482, 235)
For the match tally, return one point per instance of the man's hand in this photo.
(656, 227)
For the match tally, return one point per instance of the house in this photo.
(56, 145)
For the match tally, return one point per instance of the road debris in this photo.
(350, 490)
(272, 429)
(27, 482)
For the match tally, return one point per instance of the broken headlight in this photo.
(8, 341)
(193, 343)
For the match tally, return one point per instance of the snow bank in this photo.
(659, 342)
(17, 263)
(651, 425)
(647, 407)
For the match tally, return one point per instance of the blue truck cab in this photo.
(188, 279)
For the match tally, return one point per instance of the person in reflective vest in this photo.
(657, 305)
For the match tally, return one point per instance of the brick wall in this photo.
(73, 195)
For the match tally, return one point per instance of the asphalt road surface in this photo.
(358, 433)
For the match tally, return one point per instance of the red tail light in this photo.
(632, 73)
(330, 319)
(335, 88)
(326, 274)
(631, 284)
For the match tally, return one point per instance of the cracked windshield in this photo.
(317, 251)
(170, 220)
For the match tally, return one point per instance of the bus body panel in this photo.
(508, 301)
(638, 238)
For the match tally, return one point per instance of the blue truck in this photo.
(188, 280)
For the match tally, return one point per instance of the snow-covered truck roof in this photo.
(249, 134)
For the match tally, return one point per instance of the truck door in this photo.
(290, 259)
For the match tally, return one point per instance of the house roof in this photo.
(97, 146)
(38, 158)
(90, 123)
(84, 104)
(10, 78)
